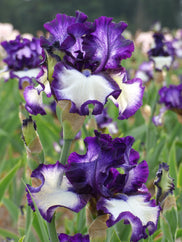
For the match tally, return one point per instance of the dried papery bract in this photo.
(71, 122)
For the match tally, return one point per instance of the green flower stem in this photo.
(52, 230)
(65, 151)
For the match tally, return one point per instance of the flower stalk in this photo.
(52, 230)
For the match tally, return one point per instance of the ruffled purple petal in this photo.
(136, 177)
(75, 238)
(33, 100)
(81, 90)
(172, 97)
(22, 53)
(54, 191)
(130, 99)
(106, 45)
(141, 212)
(58, 29)
(90, 173)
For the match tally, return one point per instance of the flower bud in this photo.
(164, 183)
(35, 154)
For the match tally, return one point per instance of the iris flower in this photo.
(23, 58)
(86, 65)
(160, 54)
(171, 99)
(24, 63)
(109, 174)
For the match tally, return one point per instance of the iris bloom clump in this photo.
(107, 175)
(82, 70)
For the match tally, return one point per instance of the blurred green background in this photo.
(30, 15)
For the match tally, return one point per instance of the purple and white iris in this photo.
(160, 54)
(108, 173)
(88, 64)
(23, 58)
(171, 97)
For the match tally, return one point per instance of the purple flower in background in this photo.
(75, 238)
(160, 54)
(88, 57)
(171, 97)
(105, 122)
(130, 99)
(158, 120)
(145, 71)
(23, 58)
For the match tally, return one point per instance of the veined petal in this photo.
(138, 210)
(136, 177)
(58, 28)
(130, 99)
(33, 100)
(55, 191)
(81, 90)
(106, 45)
(90, 173)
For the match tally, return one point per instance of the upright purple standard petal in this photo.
(58, 29)
(54, 191)
(136, 177)
(90, 173)
(106, 45)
